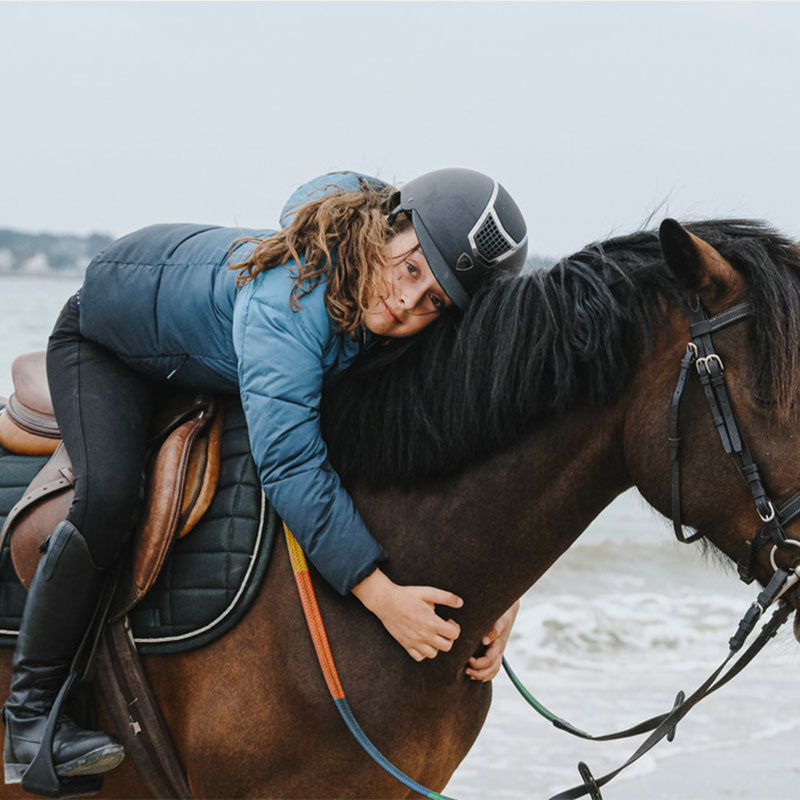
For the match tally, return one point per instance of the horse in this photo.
(477, 458)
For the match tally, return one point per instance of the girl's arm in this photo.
(280, 381)
(408, 613)
(280, 376)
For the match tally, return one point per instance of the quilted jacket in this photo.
(165, 302)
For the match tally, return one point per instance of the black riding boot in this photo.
(61, 600)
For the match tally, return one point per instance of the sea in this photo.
(622, 622)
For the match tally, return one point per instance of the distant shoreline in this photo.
(50, 254)
(51, 273)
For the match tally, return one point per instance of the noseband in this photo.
(708, 365)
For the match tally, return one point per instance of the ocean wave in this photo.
(572, 631)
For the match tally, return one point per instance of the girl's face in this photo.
(409, 297)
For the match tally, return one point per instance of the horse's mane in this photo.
(544, 343)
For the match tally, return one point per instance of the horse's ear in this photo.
(700, 267)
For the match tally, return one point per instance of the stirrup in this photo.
(40, 777)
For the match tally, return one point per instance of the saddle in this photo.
(182, 478)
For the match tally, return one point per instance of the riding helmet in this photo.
(470, 229)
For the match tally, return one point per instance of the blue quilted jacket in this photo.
(164, 301)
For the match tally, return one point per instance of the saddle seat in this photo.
(182, 477)
(27, 423)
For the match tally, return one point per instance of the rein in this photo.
(708, 364)
(319, 637)
(664, 725)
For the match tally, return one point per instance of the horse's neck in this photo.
(489, 534)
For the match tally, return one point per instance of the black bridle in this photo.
(708, 364)
(701, 355)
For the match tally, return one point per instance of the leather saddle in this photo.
(183, 472)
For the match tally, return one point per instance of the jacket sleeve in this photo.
(280, 379)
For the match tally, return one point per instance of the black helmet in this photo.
(469, 228)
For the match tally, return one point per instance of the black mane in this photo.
(542, 344)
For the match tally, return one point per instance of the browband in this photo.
(731, 316)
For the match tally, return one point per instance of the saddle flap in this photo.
(181, 485)
(186, 460)
(45, 503)
(202, 475)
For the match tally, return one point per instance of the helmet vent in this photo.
(489, 240)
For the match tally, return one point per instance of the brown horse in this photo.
(478, 458)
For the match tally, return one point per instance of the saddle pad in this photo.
(210, 577)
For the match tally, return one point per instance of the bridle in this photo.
(708, 364)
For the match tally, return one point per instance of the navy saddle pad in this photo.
(210, 577)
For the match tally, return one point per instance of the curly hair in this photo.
(341, 237)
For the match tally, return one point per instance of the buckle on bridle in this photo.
(770, 514)
(706, 360)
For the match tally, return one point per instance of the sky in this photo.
(594, 116)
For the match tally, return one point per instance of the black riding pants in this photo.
(103, 409)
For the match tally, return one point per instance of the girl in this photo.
(361, 263)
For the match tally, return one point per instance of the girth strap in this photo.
(138, 715)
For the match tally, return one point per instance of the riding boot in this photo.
(61, 601)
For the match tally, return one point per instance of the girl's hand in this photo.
(488, 665)
(408, 613)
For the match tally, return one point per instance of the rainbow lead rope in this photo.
(320, 639)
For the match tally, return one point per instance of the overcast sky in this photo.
(116, 115)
